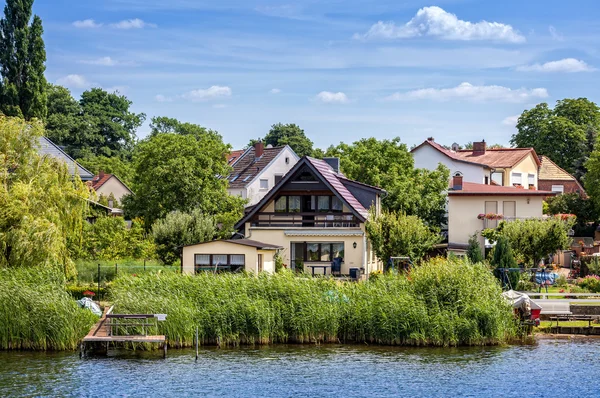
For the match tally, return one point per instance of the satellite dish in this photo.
(269, 146)
(455, 147)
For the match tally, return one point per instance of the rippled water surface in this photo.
(551, 368)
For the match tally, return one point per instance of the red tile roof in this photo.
(99, 180)
(450, 153)
(498, 158)
(234, 155)
(248, 166)
(471, 188)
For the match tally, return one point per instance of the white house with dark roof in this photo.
(48, 148)
(257, 169)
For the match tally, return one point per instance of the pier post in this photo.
(196, 343)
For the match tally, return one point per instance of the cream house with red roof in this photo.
(474, 207)
(505, 166)
(314, 215)
(106, 184)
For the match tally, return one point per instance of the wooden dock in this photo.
(102, 331)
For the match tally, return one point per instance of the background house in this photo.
(106, 184)
(48, 148)
(467, 201)
(555, 179)
(257, 169)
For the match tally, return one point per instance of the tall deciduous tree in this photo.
(22, 62)
(181, 172)
(100, 124)
(388, 164)
(394, 234)
(566, 134)
(41, 205)
(288, 134)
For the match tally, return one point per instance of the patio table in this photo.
(324, 266)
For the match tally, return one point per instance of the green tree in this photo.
(566, 134)
(180, 172)
(572, 203)
(163, 124)
(388, 164)
(41, 205)
(503, 258)
(474, 252)
(288, 134)
(394, 234)
(533, 239)
(122, 168)
(101, 124)
(179, 228)
(22, 62)
(592, 178)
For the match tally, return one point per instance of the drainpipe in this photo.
(364, 254)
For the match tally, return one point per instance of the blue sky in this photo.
(457, 70)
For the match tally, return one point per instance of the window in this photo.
(517, 179)
(558, 188)
(498, 178)
(531, 179)
(509, 209)
(315, 252)
(278, 177)
(237, 259)
(281, 204)
(219, 259)
(227, 262)
(294, 204)
(287, 160)
(264, 184)
(486, 180)
(336, 204)
(323, 203)
(202, 259)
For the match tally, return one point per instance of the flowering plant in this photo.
(490, 216)
(89, 293)
(565, 216)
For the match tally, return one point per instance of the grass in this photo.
(87, 270)
(441, 303)
(36, 313)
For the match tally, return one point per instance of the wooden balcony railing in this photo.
(305, 220)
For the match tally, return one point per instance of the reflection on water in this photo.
(548, 369)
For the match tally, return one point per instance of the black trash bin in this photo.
(355, 273)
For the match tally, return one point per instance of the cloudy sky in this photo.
(458, 70)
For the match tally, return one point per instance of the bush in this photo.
(590, 283)
(503, 258)
(36, 313)
(525, 284)
(592, 263)
(561, 281)
(440, 303)
(474, 252)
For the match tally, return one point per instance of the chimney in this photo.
(457, 182)
(101, 173)
(479, 148)
(334, 163)
(259, 149)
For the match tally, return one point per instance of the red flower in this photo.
(89, 293)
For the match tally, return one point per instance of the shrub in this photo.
(474, 252)
(503, 258)
(37, 313)
(590, 282)
(439, 303)
(592, 263)
(561, 281)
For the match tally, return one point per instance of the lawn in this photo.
(87, 270)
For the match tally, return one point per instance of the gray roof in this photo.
(49, 148)
(243, 242)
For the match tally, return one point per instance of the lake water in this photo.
(550, 368)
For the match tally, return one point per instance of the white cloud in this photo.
(274, 91)
(436, 22)
(74, 81)
(470, 92)
(132, 24)
(511, 120)
(86, 24)
(213, 92)
(568, 65)
(219, 106)
(104, 61)
(331, 98)
(162, 98)
(554, 33)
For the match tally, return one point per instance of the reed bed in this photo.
(36, 313)
(440, 303)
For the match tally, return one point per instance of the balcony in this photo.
(305, 220)
(487, 223)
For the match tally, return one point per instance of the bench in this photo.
(567, 318)
(554, 307)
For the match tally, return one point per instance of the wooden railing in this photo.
(305, 220)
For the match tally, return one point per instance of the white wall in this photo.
(114, 186)
(278, 166)
(428, 158)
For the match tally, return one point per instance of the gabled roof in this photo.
(474, 189)
(323, 171)
(551, 171)
(248, 166)
(233, 156)
(448, 152)
(101, 179)
(48, 148)
(243, 242)
(498, 158)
